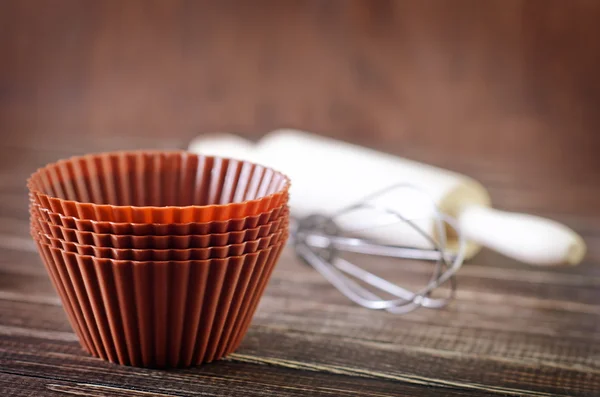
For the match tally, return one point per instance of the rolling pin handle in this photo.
(527, 238)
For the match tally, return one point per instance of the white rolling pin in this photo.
(328, 175)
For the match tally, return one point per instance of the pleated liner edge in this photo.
(159, 229)
(177, 242)
(157, 186)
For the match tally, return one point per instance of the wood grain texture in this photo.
(504, 91)
(513, 330)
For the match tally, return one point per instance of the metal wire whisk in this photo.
(318, 240)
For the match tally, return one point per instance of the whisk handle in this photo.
(528, 238)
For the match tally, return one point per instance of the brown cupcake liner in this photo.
(228, 316)
(67, 295)
(236, 335)
(158, 314)
(245, 247)
(157, 229)
(157, 187)
(157, 242)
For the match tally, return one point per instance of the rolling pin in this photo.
(328, 175)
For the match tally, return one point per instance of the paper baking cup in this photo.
(157, 187)
(246, 247)
(158, 242)
(158, 314)
(158, 229)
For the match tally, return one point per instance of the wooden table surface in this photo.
(507, 92)
(513, 330)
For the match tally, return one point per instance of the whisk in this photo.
(319, 241)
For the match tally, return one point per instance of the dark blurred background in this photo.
(507, 91)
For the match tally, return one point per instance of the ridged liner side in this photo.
(253, 297)
(224, 280)
(157, 314)
(243, 301)
(73, 282)
(68, 300)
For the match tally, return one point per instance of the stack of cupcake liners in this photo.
(160, 258)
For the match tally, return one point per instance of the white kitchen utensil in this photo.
(328, 175)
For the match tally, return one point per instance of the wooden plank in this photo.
(417, 365)
(254, 373)
(350, 341)
(20, 386)
(20, 287)
(37, 316)
(61, 367)
(466, 337)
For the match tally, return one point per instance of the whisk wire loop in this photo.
(319, 241)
